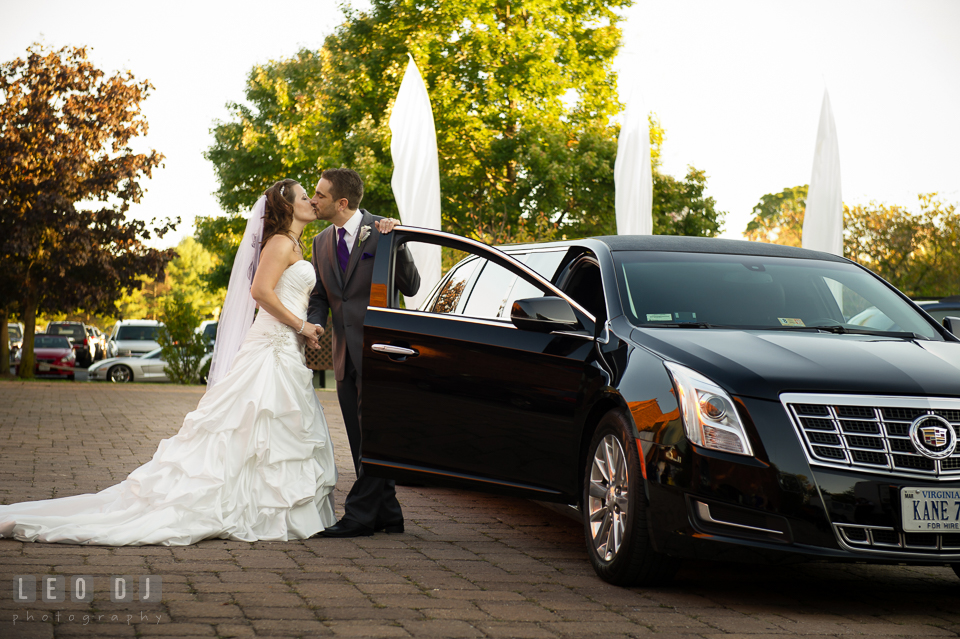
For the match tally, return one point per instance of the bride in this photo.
(254, 460)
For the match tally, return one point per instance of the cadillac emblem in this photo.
(933, 436)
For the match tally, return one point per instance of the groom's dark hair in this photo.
(345, 183)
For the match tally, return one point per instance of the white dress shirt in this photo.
(353, 227)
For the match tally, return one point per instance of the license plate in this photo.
(43, 367)
(930, 509)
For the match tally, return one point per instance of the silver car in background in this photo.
(149, 367)
(130, 338)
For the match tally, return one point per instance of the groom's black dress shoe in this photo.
(346, 528)
(391, 529)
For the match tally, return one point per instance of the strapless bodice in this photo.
(295, 286)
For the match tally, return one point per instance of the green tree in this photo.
(682, 208)
(182, 348)
(65, 131)
(778, 217)
(184, 274)
(275, 135)
(522, 94)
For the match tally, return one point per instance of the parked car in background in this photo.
(148, 367)
(131, 338)
(941, 309)
(695, 398)
(99, 342)
(14, 339)
(83, 344)
(208, 328)
(54, 355)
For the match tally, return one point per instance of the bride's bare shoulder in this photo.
(280, 250)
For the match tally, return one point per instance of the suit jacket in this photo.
(347, 295)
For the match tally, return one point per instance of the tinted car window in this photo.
(50, 341)
(210, 332)
(451, 295)
(70, 330)
(545, 263)
(939, 314)
(756, 292)
(139, 333)
(489, 295)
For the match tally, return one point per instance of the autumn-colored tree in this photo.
(918, 253)
(778, 217)
(65, 131)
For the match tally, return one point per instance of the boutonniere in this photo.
(364, 233)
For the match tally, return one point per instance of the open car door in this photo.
(455, 394)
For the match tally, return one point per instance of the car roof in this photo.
(684, 244)
(138, 322)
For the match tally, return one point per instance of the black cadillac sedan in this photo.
(693, 397)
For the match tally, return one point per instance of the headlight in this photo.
(709, 416)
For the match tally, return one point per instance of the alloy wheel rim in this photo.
(608, 497)
(119, 374)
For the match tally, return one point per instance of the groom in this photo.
(343, 257)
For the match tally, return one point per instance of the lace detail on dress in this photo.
(278, 339)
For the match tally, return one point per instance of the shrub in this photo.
(182, 347)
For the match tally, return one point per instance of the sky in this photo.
(737, 86)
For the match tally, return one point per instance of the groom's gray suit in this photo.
(372, 502)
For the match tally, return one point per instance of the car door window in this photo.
(490, 292)
(451, 296)
(545, 263)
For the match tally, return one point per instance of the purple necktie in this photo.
(343, 253)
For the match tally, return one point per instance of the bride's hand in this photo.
(315, 342)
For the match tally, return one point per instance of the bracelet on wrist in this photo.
(302, 324)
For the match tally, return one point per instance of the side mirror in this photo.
(952, 324)
(543, 315)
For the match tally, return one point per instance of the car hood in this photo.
(135, 360)
(51, 352)
(764, 364)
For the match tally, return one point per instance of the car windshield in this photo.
(154, 354)
(50, 341)
(768, 293)
(210, 331)
(13, 332)
(138, 333)
(70, 330)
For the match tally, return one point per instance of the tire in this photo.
(956, 569)
(615, 521)
(71, 377)
(120, 374)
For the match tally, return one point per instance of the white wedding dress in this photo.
(253, 462)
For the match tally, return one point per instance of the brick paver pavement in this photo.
(469, 565)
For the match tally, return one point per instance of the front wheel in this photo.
(615, 509)
(120, 374)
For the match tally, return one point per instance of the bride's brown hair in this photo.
(278, 212)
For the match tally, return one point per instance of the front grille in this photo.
(878, 538)
(871, 433)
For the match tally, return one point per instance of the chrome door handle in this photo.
(390, 349)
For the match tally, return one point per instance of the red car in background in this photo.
(84, 345)
(53, 355)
